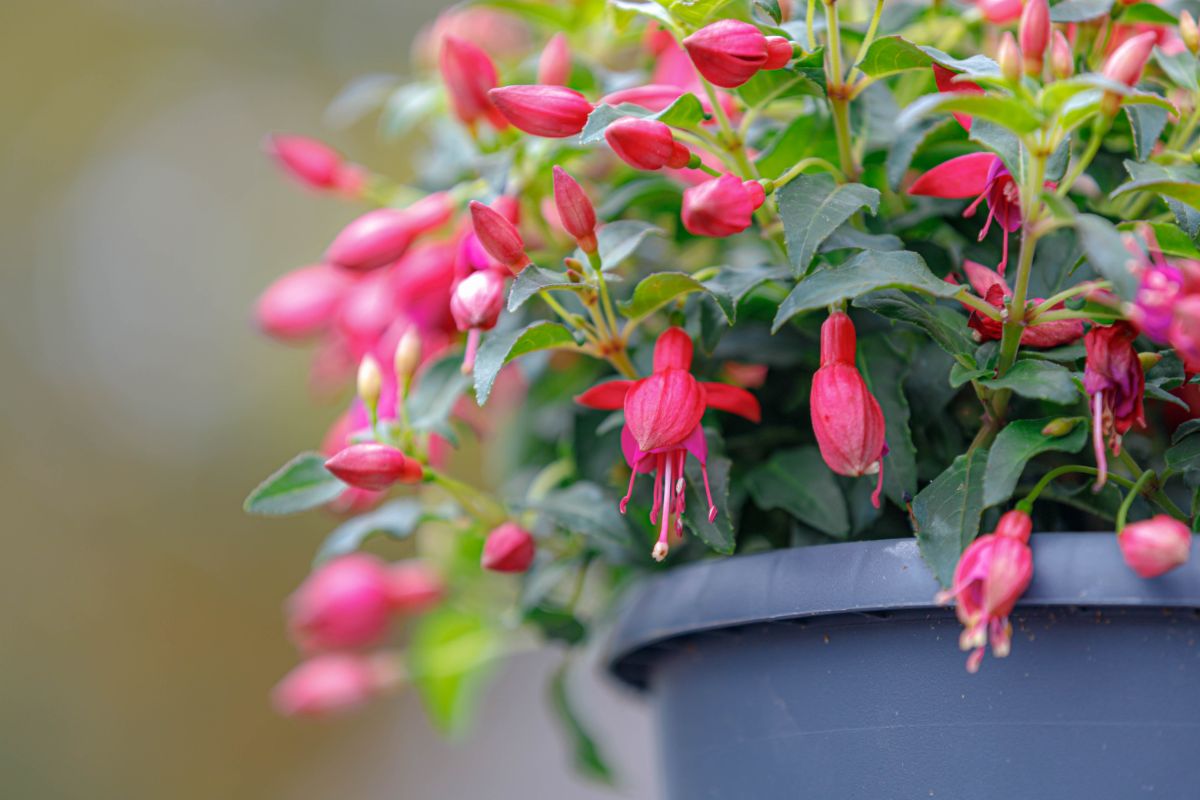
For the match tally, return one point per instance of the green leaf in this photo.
(1041, 380)
(866, 272)
(1145, 13)
(770, 84)
(1185, 456)
(500, 348)
(1147, 123)
(298, 485)
(731, 284)
(906, 145)
(655, 291)
(946, 327)
(1080, 10)
(684, 112)
(891, 54)
(450, 658)
(586, 509)
(1186, 216)
(812, 207)
(717, 534)
(946, 514)
(1182, 68)
(585, 755)
(1106, 253)
(396, 520)
(618, 240)
(534, 279)
(798, 482)
(886, 374)
(647, 8)
(1019, 442)
(1006, 112)
(436, 390)
(1185, 430)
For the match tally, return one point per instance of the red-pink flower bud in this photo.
(343, 604)
(999, 12)
(722, 206)
(1189, 33)
(1156, 545)
(331, 684)
(575, 210)
(499, 237)
(509, 548)
(379, 237)
(478, 300)
(1009, 58)
(1034, 32)
(301, 303)
(839, 340)
(555, 112)
(554, 67)
(1015, 524)
(469, 75)
(413, 587)
(316, 164)
(1126, 63)
(729, 52)
(1062, 58)
(371, 465)
(646, 144)
(652, 96)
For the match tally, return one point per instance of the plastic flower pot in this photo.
(828, 672)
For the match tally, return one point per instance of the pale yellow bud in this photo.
(408, 356)
(369, 382)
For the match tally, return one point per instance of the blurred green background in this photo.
(141, 627)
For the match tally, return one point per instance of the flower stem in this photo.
(1155, 491)
(1099, 128)
(836, 91)
(966, 298)
(870, 37)
(477, 502)
(803, 164)
(1049, 303)
(1138, 488)
(1026, 504)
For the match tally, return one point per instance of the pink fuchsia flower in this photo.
(722, 206)
(476, 305)
(646, 144)
(344, 604)
(576, 214)
(555, 112)
(302, 303)
(316, 164)
(1114, 380)
(662, 426)
(846, 417)
(554, 67)
(469, 75)
(946, 82)
(498, 236)
(413, 587)
(1184, 334)
(988, 284)
(1161, 285)
(991, 576)
(374, 466)
(1156, 545)
(379, 237)
(509, 548)
(332, 683)
(730, 52)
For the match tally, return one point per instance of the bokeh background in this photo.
(141, 625)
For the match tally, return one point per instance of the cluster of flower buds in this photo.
(317, 165)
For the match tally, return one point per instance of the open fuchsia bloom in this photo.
(1155, 546)
(988, 284)
(555, 112)
(1115, 381)
(1184, 334)
(375, 466)
(646, 144)
(332, 683)
(343, 604)
(991, 576)
(469, 75)
(846, 417)
(662, 426)
(722, 206)
(509, 548)
(730, 52)
(316, 164)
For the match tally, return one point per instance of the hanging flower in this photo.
(662, 426)
(988, 284)
(1114, 380)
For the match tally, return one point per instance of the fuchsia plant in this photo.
(665, 210)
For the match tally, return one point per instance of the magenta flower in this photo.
(555, 112)
(1114, 380)
(662, 426)
(988, 284)
(343, 604)
(991, 576)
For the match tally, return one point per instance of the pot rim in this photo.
(883, 575)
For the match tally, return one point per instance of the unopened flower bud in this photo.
(722, 206)
(1156, 545)
(1009, 58)
(302, 303)
(469, 74)
(408, 355)
(1189, 32)
(331, 684)
(1062, 59)
(413, 587)
(316, 164)
(730, 52)
(380, 237)
(371, 465)
(1125, 66)
(554, 67)
(575, 210)
(1060, 427)
(1034, 32)
(499, 237)
(476, 305)
(646, 144)
(555, 112)
(1149, 360)
(370, 382)
(509, 548)
(343, 604)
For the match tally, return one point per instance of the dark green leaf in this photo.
(500, 348)
(906, 145)
(1147, 123)
(1145, 13)
(449, 659)
(946, 514)
(534, 279)
(812, 207)
(717, 534)
(1106, 253)
(587, 509)
(298, 485)
(798, 482)
(1019, 442)
(1185, 456)
(655, 291)
(732, 284)
(886, 373)
(946, 327)
(1041, 380)
(585, 755)
(866, 272)
(618, 240)
(1185, 430)
(396, 520)
(1150, 172)
(847, 237)
(1006, 112)
(1180, 67)
(437, 388)
(1171, 240)
(557, 625)
(891, 54)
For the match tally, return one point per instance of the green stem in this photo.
(803, 164)
(808, 24)
(988, 310)
(1156, 491)
(1099, 128)
(478, 503)
(870, 37)
(1137, 489)
(1046, 305)
(1026, 504)
(836, 91)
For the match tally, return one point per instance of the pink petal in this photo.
(984, 278)
(965, 176)
(733, 399)
(607, 396)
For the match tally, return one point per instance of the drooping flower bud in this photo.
(1189, 32)
(316, 164)
(499, 237)
(555, 112)
(730, 52)
(1009, 58)
(331, 684)
(1062, 60)
(1034, 32)
(301, 303)
(554, 67)
(846, 417)
(369, 382)
(408, 356)
(371, 465)
(1115, 382)
(575, 210)
(509, 548)
(476, 305)
(469, 75)
(1154, 546)
(379, 237)
(722, 206)
(343, 604)
(413, 587)
(1125, 66)
(646, 144)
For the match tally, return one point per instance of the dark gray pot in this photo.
(828, 673)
